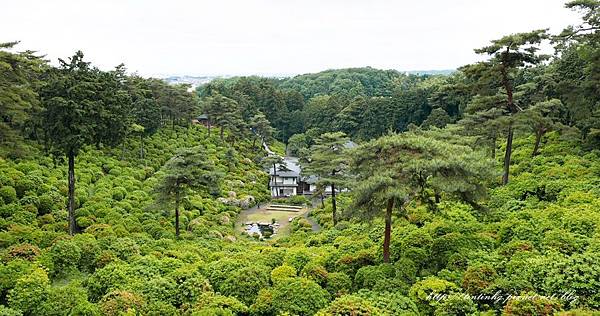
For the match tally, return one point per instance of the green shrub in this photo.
(531, 304)
(8, 194)
(119, 193)
(426, 292)
(478, 278)
(158, 308)
(118, 302)
(65, 256)
(5, 311)
(338, 284)
(368, 277)
(243, 283)
(393, 303)
(66, 300)
(220, 304)
(159, 289)
(22, 251)
(350, 305)
(30, 291)
(299, 296)
(282, 272)
(456, 304)
(315, 272)
(112, 277)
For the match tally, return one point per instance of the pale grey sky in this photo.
(242, 37)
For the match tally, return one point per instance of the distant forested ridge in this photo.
(362, 102)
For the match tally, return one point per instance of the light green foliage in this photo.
(456, 305)
(243, 283)
(423, 292)
(338, 283)
(393, 303)
(29, 292)
(282, 272)
(65, 256)
(8, 194)
(215, 304)
(70, 300)
(299, 296)
(350, 305)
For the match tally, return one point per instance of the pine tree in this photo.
(79, 103)
(19, 80)
(189, 171)
(261, 127)
(397, 169)
(329, 161)
(493, 80)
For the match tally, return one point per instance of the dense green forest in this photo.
(473, 193)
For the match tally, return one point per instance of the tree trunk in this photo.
(254, 143)
(322, 201)
(387, 235)
(222, 133)
(209, 126)
(177, 213)
(122, 151)
(494, 148)
(141, 147)
(333, 205)
(71, 202)
(507, 153)
(538, 138)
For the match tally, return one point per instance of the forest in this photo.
(470, 193)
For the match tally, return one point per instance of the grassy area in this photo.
(262, 215)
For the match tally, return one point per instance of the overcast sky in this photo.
(242, 37)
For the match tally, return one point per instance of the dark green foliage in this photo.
(188, 170)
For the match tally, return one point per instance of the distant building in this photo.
(201, 119)
(286, 180)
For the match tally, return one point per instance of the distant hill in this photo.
(196, 81)
(431, 72)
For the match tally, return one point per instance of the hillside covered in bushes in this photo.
(472, 193)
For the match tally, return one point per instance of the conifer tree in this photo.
(79, 103)
(189, 171)
(329, 161)
(493, 81)
(397, 169)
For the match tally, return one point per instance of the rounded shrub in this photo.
(455, 304)
(243, 283)
(8, 194)
(350, 305)
(30, 291)
(118, 302)
(338, 283)
(282, 272)
(65, 256)
(299, 296)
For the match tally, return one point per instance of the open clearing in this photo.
(266, 216)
